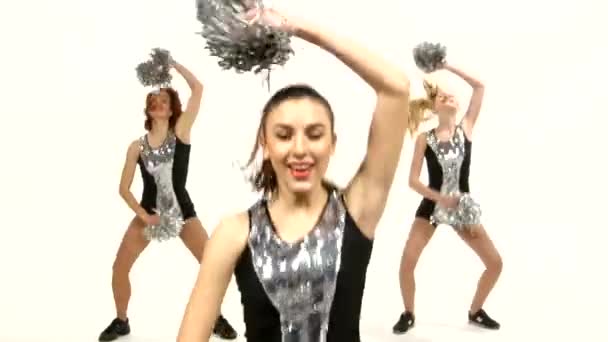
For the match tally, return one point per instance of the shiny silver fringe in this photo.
(237, 44)
(468, 212)
(156, 70)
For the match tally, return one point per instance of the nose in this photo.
(299, 146)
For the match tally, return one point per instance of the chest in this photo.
(450, 153)
(158, 159)
(299, 278)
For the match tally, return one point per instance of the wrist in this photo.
(436, 197)
(141, 213)
(300, 28)
(295, 26)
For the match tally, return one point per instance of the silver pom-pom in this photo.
(429, 57)
(156, 70)
(239, 45)
(468, 211)
(170, 227)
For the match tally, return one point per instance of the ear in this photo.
(265, 153)
(263, 146)
(333, 144)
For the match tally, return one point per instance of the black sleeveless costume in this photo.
(448, 164)
(321, 300)
(179, 159)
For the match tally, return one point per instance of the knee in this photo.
(409, 260)
(120, 268)
(495, 264)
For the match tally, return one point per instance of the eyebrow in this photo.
(310, 126)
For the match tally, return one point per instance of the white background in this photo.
(71, 104)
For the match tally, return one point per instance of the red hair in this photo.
(175, 106)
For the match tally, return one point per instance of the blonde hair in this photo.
(419, 108)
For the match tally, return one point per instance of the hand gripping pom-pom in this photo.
(237, 44)
(156, 70)
(429, 57)
(170, 227)
(468, 211)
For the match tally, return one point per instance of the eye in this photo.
(315, 135)
(283, 135)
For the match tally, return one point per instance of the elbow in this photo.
(413, 182)
(197, 87)
(122, 191)
(398, 86)
(402, 86)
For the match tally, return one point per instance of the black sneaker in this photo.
(481, 318)
(406, 321)
(223, 329)
(116, 329)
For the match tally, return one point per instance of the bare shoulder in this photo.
(134, 148)
(232, 231)
(421, 138)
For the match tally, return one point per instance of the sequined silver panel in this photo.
(159, 163)
(300, 278)
(450, 155)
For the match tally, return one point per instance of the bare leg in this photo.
(133, 243)
(482, 245)
(420, 235)
(195, 237)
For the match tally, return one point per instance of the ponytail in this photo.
(418, 111)
(420, 107)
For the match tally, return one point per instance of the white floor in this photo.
(544, 294)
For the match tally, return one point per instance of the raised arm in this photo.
(185, 122)
(219, 259)
(475, 102)
(367, 193)
(126, 179)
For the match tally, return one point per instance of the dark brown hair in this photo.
(265, 179)
(175, 106)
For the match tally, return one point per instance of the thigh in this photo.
(478, 239)
(420, 234)
(194, 237)
(132, 245)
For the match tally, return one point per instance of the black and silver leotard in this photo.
(164, 172)
(306, 291)
(448, 164)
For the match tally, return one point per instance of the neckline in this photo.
(451, 137)
(161, 144)
(310, 231)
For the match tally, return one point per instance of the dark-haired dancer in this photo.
(165, 210)
(300, 254)
(447, 150)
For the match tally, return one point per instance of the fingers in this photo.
(252, 16)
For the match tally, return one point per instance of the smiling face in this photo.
(299, 141)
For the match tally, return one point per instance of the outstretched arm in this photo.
(186, 121)
(367, 193)
(475, 102)
(219, 259)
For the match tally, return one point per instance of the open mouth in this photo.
(300, 171)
